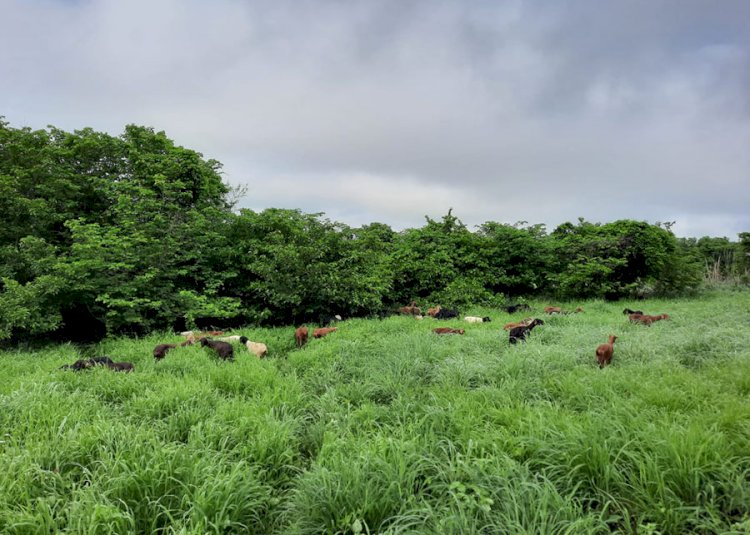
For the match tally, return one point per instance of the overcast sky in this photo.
(392, 110)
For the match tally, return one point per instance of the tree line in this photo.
(110, 234)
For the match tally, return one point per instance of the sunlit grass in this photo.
(385, 427)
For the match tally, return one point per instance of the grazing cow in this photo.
(628, 312)
(300, 335)
(447, 330)
(432, 311)
(604, 351)
(512, 309)
(81, 364)
(223, 349)
(126, 367)
(320, 333)
(552, 310)
(640, 318)
(258, 349)
(160, 351)
(645, 319)
(418, 317)
(520, 333)
(477, 319)
(411, 310)
(446, 314)
(85, 364)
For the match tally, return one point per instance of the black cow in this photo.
(446, 314)
(85, 364)
(126, 367)
(223, 349)
(520, 333)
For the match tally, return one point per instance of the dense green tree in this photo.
(519, 257)
(107, 229)
(294, 267)
(618, 259)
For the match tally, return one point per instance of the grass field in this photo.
(384, 427)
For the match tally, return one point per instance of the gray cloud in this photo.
(387, 111)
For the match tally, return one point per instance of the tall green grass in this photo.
(384, 427)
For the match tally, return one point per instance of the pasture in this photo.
(385, 427)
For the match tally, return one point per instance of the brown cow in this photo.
(433, 311)
(411, 310)
(447, 330)
(604, 351)
(300, 335)
(323, 331)
(645, 319)
(513, 325)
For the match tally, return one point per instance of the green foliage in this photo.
(295, 266)
(623, 258)
(113, 225)
(428, 259)
(519, 258)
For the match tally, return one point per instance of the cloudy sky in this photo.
(392, 110)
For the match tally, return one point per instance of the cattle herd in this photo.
(223, 348)
(519, 331)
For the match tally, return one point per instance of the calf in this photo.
(520, 333)
(477, 319)
(223, 349)
(604, 351)
(552, 310)
(160, 351)
(258, 349)
(447, 330)
(320, 333)
(300, 335)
